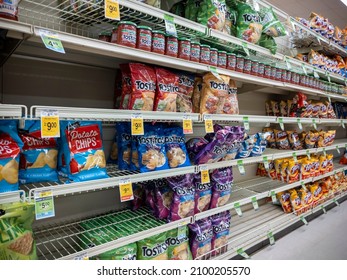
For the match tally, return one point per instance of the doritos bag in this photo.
(85, 158)
(212, 14)
(10, 147)
(38, 161)
(143, 84)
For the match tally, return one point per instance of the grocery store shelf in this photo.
(11, 197)
(13, 111)
(16, 30)
(73, 113)
(240, 118)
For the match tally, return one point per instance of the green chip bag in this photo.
(271, 25)
(230, 22)
(178, 242)
(16, 236)
(153, 248)
(192, 9)
(179, 8)
(212, 14)
(268, 42)
(249, 27)
(127, 252)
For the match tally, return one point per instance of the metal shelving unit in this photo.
(9, 111)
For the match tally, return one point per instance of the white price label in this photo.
(280, 121)
(246, 123)
(237, 208)
(266, 163)
(343, 124)
(241, 167)
(299, 124)
(273, 197)
(302, 218)
(170, 25)
(271, 238)
(255, 203)
(314, 123)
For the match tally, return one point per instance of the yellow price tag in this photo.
(50, 127)
(209, 126)
(126, 190)
(137, 127)
(112, 9)
(187, 126)
(205, 176)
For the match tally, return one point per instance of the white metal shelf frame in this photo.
(12, 111)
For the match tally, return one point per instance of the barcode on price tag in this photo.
(50, 127)
(44, 204)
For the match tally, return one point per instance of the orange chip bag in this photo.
(306, 167)
(284, 199)
(295, 201)
(284, 170)
(261, 171)
(272, 170)
(330, 163)
(330, 110)
(323, 112)
(231, 105)
(278, 167)
(293, 171)
(316, 191)
(282, 142)
(323, 163)
(275, 106)
(306, 198)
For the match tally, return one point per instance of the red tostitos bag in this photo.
(167, 89)
(126, 86)
(143, 84)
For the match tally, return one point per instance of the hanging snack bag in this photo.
(143, 84)
(183, 202)
(203, 194)
(163, 196)
(294, 140)
(10, 147)
(230, 22)
(185, 92)
(178, 242)
(271, 25)
(38, 160)
(214, 94)
(270, 137)
(249, 27)
(222, 181)
(197, 94)
(124, 145)
(284, 199)
(231, 105)
(212, 14)
(167, 89)
(17, 240)
(126, 86)
(85, 157)
(200, 238)
(221, 231)
(282, 142)
(153, 248)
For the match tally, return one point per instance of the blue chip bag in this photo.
(83, 150)
(124, 145)
(113, 157)
(247, 147)
(176, 150)
(10, 147)
(151, 150)
(259, 145)
(61, 166)
(38, 161)
(134, 162)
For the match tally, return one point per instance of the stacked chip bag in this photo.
(306, 199)
(284, 199)
(212, 14)
(143, 87)
(38, 160)
(134, 162)
(126, 86)
(203, 194)
(238, 135)
(124, 145)
(153, 248)
(222, 181)
(17, 241)
(124, 253)
(10, 147)
(185, 92)
(194, 146)
(176, 150)
(282, 142)
(259, 145)
(231, 104)
(197, 94)
(200, 238)
(178, 242)
(83, 150)
(182, 205)
(247, 146)
(295, 201)
(270, 137)
(163, 196)
(271, 25)
(221, 231)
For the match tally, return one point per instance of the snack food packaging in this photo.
(149, 196)
(126, 86)
(343, 159)
(139, 196)
(271, 25)
(9, 9)
(316, 191)
(10, 147)
(203, 194)
(268, 108)
(163, 196)
(275, 107)
(230, 21)
(268, 42)
(294, 140)
(185, 92)
(306, 198)
(295, 201)
(323, 164)
(124, 145)
(293, 171)
(178, 242)
(278, 168)
(272, 170)
(143, 85)
(176, 151)
(231, 105)
(38, 160)
(17, 241)
(247, 146)
(124, 253)
(306, 168)
(261, 171)
(284, 199)
(212, 14)
(194, 146)
(134, 158)
(330, 163)
(283, 108)
(315, 166)
(222, 181)
(183, 201)
(284, 170)
(192, 9)
(200, 238)
(326, 138)
(153, 248)
(221, 230)
(234, 148)
(197, 94)
(83, 150)
(270, 137)
(259, 145)
(282, 142)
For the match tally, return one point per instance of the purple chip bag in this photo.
(194, 146)
(149, 190)
(200, 237)
(238, 133)
(220, 226)
(209, 136)
(139, 196)
(163, 196)
(203, 194)
(222, 181)
(183, 201)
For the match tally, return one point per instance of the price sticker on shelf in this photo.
(237, 208)
(308, 154)
(126, 190)
(328, 76)
(182, 232)
(205, 175)
(137, 127)
(273, 196)
(246, 123)
(337, 149)
(112, 9)
(44, 204)
(314, 123)
(170, 25)
(343, 124)
(315, 74)
(295, 157)
(329, 99)
(241, 167)
(280, 121)
(187, 125)
(324, 152)
(50, 126)
(304, 68)
(302, 218)
(266, 163)
(255, 203)
(215, 72)
(289, 66)
(242, 253)
(271, 238)
(299, 124)
(245, 48)
(324, 210)
(303, 185)
(208, 125)
(51, 41)
(336, 202)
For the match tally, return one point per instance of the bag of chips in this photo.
(275, 108)
(293, 171)
(185, 92)
(270, 137)
(124, 253)
(284, 199)
(221, 231)
(197, 94)
(268, 108)
(323, 163)
(10, 147)
(282, 142)
(9, 9)
(247, 146)
(126, 86)
(271, 25)
(143, 85)
(306, 198)
(283, 108)
(330, 163)
(230, 21)
(85, 157)
(294, 140)
(176, 151)
(295, 201)
(178, 8)
(222, 181)
(163, 196)
(259, 145)
(153, 248)
(203, 194)
(194, 146)
(16, 235)
(192, 9)
(284, 170)
(200, 238)
(212, 14)
(343, 159)
(178, 242)
(134, 158)
(231, 105)
(124, 145)
(238, 133)
(268, 42)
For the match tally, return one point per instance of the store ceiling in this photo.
(334, 10)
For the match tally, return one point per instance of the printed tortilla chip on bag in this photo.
(185, 92)
(222, 182)
(124, 145)
(231, 105)
(212, 14)
(203, 194)
(178, 242)
(163, 196)
(143, 84)
(153, 248)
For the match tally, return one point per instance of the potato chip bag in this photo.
(284, 170)
(343, 159)
(212, 14)
(306, 168)
(330, 110)
(270, 137)
(221, 231)
(268, 42)
(272, 170)
(16, 235)
(163, 196)
(315, 171)
(271, 25)
(284, 199)
(178, 242)
(184, 101)
(282, 142)
(153, 248)
(306, 198)
(323, 164)
(275, 106)
(295, 201)
(293, 171)
(10, 147)
(294, 140)
(330, 163)
(230, 22)
(278, 168)
(316, 191)
(283, 108)
(200, 238)
(261, 171)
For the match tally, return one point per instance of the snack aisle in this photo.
(274, 154)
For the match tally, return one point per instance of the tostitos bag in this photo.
(178, 242)
(124, 145)
(212, 14)
(203, 194)
(85, 157)
(10, 147)
(200, 238)
(221, 231)
(38, 160)
(176, 150)
(153, 248)
(222, 181)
